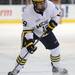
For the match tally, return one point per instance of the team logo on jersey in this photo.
(42, 24)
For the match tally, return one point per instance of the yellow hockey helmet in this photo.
(38, 0)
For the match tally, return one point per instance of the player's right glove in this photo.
(30, 46)
(52, 24)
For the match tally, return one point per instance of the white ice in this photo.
(38, 63)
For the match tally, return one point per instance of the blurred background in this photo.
(29, 1)
(65, 5)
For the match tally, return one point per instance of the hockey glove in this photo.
(30, 46)
(51, 26)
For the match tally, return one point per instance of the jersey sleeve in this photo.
(27, 24)
(56, 14)
(27, 19)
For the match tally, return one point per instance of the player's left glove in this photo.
(30, 46)
(52, 24)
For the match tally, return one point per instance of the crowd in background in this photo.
(29, 1)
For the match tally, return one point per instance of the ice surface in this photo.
(38, 63)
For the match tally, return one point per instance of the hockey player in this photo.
(38, 18)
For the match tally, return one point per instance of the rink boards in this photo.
(10, 14)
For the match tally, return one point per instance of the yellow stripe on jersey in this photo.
(50, 27)
(25, 32)
(29, 44)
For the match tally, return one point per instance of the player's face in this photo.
(40, 6)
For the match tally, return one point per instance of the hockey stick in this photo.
(28, 52)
